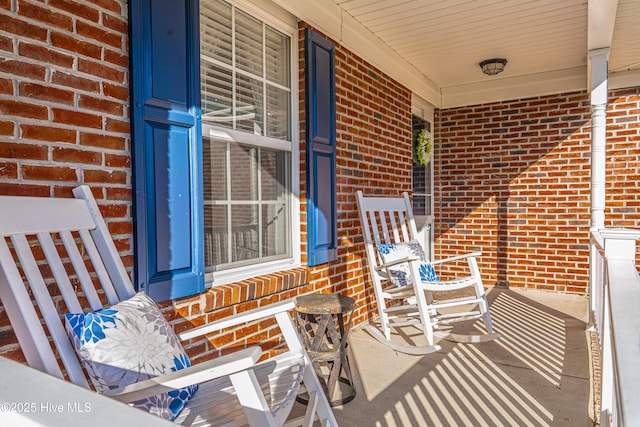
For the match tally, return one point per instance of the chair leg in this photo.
(484, 309)
(384, 317)
(423, 307)
(314, 387)
(480, 293)
(310, 414)
(252, 400)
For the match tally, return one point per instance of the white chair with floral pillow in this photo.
(59, 252)
(404, 280)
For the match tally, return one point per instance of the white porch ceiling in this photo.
(545, 42)
(447, 39)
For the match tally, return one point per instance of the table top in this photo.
(324, 304)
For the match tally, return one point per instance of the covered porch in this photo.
(520, 167)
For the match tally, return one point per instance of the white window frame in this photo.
(222, 277)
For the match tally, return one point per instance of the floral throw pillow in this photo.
(127, 343)
(399, 273)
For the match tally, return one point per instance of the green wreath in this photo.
(422, 147)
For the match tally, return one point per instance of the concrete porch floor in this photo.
(536, 375)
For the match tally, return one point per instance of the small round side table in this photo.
(321, 323)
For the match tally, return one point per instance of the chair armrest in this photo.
(237, 319)
(456, 258)
(205, 371)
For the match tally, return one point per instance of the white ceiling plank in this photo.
(433, 46)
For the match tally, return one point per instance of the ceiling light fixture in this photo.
(493, 66)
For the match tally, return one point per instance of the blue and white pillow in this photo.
(399, 273)
(127, 343)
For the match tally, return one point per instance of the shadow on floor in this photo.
(536, 375)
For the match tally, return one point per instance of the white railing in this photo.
(615, 305)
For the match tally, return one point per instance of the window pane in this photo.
(217, 96)
(273, 171)
(419, 205)
(244, 229)
(249, 109)
(277, 57)
(216, 239)
(248, 44)
(215, 169)
(275, 233)
(215, 30)
(419, 179)
(244, 172)
(278, 113)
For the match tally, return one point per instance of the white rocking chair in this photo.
(52, 247)
(388, 225)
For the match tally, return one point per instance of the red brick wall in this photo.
(513, 180)
(64, 109)
(64, 120)
(623, 159)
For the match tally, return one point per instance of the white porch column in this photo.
(598, 82)
(598, 75)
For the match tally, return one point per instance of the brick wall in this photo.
(513, 180)
(64, 120)
(64, 110)
(623, 159)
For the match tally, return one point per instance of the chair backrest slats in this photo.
(384, 224)
(108, 251)
(395, 221)
(385, 220)
(73, 246)
(81, 270)
(410, 221)
(24, 319)
(99, 267)
(59, 272)
(48, 311)
(404, 235)
(374, 226)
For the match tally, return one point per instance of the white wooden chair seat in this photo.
(275, 378)
(388, 221)
(60, 252)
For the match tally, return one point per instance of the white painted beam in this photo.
(623, 79)
(601, 22)
(511, 88)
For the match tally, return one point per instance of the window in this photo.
(422, 176)
(248, 146)
(422, 200)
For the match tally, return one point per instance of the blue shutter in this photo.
(166, 147)
(321, 149)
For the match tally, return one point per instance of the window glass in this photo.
(422, 186)
(247, 150)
